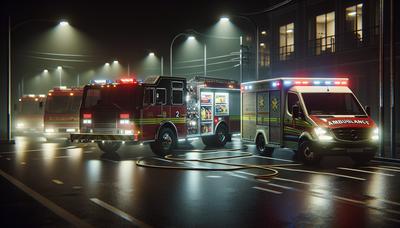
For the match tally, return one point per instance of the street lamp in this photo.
(45, 71)
(59, 68)
(256, 28)
(190, 37)
(64, 23)
(152, 54)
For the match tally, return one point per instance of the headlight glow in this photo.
(49, 130)
(375, 134)
(322, 134)
(20, 125)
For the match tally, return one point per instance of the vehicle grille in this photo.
(352, 134)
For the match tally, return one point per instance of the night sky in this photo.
(123, 30)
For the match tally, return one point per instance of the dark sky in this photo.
(126, 30)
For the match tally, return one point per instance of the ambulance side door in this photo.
(293, 127)
(275, 128)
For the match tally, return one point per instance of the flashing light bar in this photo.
(333, 82)
(127, 81)
(100, 81)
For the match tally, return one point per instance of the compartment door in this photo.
(275, 117)
(248, 116)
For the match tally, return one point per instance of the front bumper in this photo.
(345, 147)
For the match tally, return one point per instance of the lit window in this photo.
(325, 33)
(264, 55)
(286, 41)
(354, 21)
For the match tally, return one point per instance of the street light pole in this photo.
(170, 52)
(60, 69)
(162, 65)
(241, 60)
(205, 60)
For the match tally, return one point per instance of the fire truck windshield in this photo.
(124, 97)
(326, 104)
(30, 107)
(63, 104)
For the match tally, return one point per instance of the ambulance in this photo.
(29, 113)
(315, 117)
(161, 111)
(61, 112)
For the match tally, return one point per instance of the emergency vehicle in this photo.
(161, 111)
(312, 116)
(61, 113)
(29, 113)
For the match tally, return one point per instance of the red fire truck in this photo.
(161, 111)
(61, 113)
(29, 113)
(313, 116)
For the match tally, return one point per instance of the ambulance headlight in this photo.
(322, 134)
(20, 125)
(375, 134)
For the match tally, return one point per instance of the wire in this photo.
(209, 58)
(274, 7)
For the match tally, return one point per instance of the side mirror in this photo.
(368, 110)
(41, 104)
(296, 111)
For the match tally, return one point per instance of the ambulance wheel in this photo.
(165, 142)
(221, 135)
(308, 154)
(109, 147)
(361, 159)
(207, 140)
(262, 148)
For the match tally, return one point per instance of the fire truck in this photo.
(312, 116)
(61, 113)
(161, 111)
(29, 113)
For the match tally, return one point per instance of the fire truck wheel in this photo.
(308, 154)
(221, 135)
(165, 143)
(262, 148)
(109, 147)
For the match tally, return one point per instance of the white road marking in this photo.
(277, 159)
(161, 159)
(119, 212)
(75, 221)
(211, 176)
(57, 181)
(243, 172)
(60, 157)
(391, 167)
(237, 175)
(365, 171)
(109, 160)
(387, 169)
(323, 173)
(35, 150)
(267, 190)
(281, 186)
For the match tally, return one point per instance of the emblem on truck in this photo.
(274, 104)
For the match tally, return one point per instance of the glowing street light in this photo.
(151, 54)
(45, 71)
(115, 62)
(224, 19)
(64, 23)
(107, 64)
(191, 38)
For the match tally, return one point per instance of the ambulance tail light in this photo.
(87, 118)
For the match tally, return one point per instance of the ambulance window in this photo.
(161, 96)
(177, 85)
(292, 99)
(149, 96)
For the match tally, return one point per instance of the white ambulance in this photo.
(312, 116)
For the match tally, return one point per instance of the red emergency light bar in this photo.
(124, 116)
(127, 81)
(87, 115)
(312, 81)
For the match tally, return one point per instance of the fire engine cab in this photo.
(29, 113)
(61, 113)
(161, 110)
(312, 116)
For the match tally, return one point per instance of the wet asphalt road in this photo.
(60, 184)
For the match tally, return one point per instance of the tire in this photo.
(307, 154)
(262, 148)
(109, 147)
(219, 139)
(361, 159)
(165, 142)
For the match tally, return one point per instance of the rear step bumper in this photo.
(88, 137)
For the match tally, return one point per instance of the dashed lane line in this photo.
(213, 176)
(267, 190)
(365, 171)
(321, 173)
(382, 168)
(56, 181)
(281, 186)
(74, 220)
(277, 159)
(119, 212)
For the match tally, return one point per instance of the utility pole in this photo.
(77, 81)
(241, 59)
(381, 80)
(162, 66)
(205, 60)
(392, 83)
